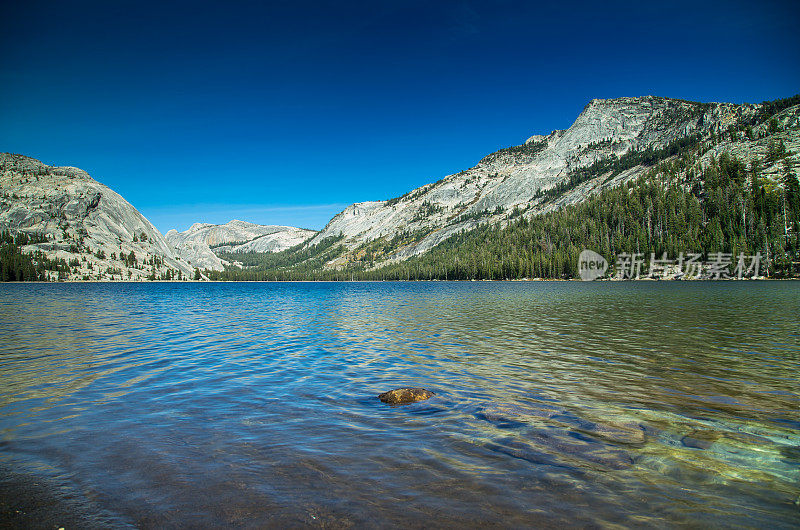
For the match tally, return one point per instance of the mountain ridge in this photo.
(510, 178)
(200, 244)
(84, 230)
(612, 142)
(92, 231)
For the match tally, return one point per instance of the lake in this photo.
(255, 404)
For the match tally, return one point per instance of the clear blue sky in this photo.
(285, 112)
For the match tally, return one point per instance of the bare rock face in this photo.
(405, 395)
(195, 252)
(509, 182)
(199, 244)
(88, 225)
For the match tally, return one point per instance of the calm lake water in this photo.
(572, 404)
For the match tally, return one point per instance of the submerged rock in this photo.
(628, 432)
(557, 448)
(405, 395)
(701, 439)
(504, 415)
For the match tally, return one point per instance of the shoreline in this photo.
(31, 501)
(521, 280)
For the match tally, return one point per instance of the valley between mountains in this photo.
(634, 174)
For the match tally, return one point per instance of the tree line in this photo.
(18, 267)
(677, 206)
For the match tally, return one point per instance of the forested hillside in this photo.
(15, 266)
(688, 201)
(632, 175)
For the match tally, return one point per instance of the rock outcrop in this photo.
(83, 222)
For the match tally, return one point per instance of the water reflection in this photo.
(557, 403)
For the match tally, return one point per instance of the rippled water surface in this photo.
(600, 404)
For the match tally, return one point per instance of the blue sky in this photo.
(285, 112)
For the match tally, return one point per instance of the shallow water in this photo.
(577, 404)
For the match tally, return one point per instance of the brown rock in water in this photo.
(405, 395)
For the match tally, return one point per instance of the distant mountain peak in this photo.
(198, 245)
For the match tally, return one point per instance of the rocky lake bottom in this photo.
(256, 404)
